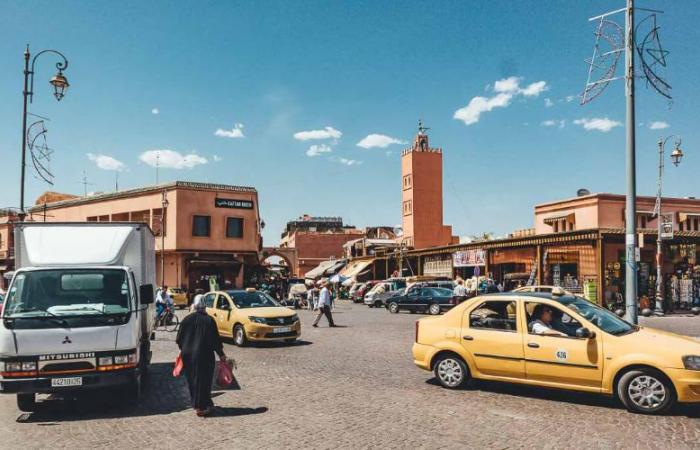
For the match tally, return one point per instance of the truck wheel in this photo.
(26, 402)
(239, 337)
(646, 391)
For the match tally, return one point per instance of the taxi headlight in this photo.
(691, 362)
(295, 318)
(257, 320)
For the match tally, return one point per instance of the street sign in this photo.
(477, 271)
(666, 227)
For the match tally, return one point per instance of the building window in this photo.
(234, 227)
(407, 207)
(201, 226)
(158, 221)
(406, 181)
(92, 219)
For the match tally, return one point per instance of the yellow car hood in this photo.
(270, 311)
(659, 342)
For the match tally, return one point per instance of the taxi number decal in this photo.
(561, 354)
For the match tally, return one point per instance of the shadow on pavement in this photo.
(162, 394)
(564, 396)
(232, 411)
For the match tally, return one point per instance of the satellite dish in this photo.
(583, 192)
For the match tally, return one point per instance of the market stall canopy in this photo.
(337, 278)
(354, 268)
(683, 216)
(569, 217)
(319, 270)
(335, 267)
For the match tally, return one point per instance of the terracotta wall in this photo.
(313, 247)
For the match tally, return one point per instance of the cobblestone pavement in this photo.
(352, 387)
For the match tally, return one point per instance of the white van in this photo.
(79, 311)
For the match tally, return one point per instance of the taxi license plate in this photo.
(64, 382)
(282, 330)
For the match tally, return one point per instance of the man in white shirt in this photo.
(460, 291)
(543, 321)
(324, 306)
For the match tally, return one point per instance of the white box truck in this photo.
(79, 310)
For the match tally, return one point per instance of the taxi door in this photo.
(490, 332)
(222, 314)
(566, 360)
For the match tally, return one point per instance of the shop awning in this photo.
(335, 267)
(569, 217)
(318, 271)
(683, 216)
(354, 268)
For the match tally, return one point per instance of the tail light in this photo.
(417, 326)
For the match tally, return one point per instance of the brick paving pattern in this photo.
(353, 387)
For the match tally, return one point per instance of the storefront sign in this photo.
(438, 266)
(232, 203)
(469, 258)
(667, 227)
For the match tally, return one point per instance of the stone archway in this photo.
(289, 255)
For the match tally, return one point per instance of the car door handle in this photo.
(533, 345)
(467, 338)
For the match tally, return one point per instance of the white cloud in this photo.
(553, 123)
(658, 125)
(326, 133)
(105, 162)
(316, 150)
(506, 89)
(170, 159)
(548, 103)
(598, 124)
(235, 132)
(350, 162)
(570, 98)
(155, 111)
(378, 140)
(217, 158)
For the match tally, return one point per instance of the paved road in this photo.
(352, 387)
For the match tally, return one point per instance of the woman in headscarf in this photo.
(198, 339)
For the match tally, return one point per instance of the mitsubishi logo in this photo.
(67, 340)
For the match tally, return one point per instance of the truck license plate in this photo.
(282, 330)
(63, 382)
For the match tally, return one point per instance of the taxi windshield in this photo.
(252, 299)
(601, 317)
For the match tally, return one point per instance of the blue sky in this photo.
(342, 71)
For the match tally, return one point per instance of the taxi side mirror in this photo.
(584, 333)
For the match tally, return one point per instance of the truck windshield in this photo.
(68, 292)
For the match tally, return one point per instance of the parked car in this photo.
(389, 285)
(250, 315)
(423, 299)
(353, 290)
(589, 349)
(360, 292)
(179, 297)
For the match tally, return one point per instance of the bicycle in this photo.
(167, 320)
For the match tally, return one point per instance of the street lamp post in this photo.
(164, 203)
(676, 157)
(60, 85)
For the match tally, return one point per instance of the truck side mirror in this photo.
(146, 294)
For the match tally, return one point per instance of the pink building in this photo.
(207, 230)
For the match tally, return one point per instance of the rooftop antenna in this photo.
(611, 42)
(116, 181)
(84, 182)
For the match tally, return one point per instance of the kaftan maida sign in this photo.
(233, 203)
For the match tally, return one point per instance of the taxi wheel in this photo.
(26, 402)
(646, 391)
(239, 337)
(451, 371)
(394, 308)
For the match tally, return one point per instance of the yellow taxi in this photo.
(559, 341)
(251, 315)
(179, 297)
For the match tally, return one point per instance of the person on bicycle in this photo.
(163, 301)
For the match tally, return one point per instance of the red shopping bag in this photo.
(177, 369)
(224, 376)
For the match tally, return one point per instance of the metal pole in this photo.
(25, 94)
(164, 203)
(630, 207)
(658, 309)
